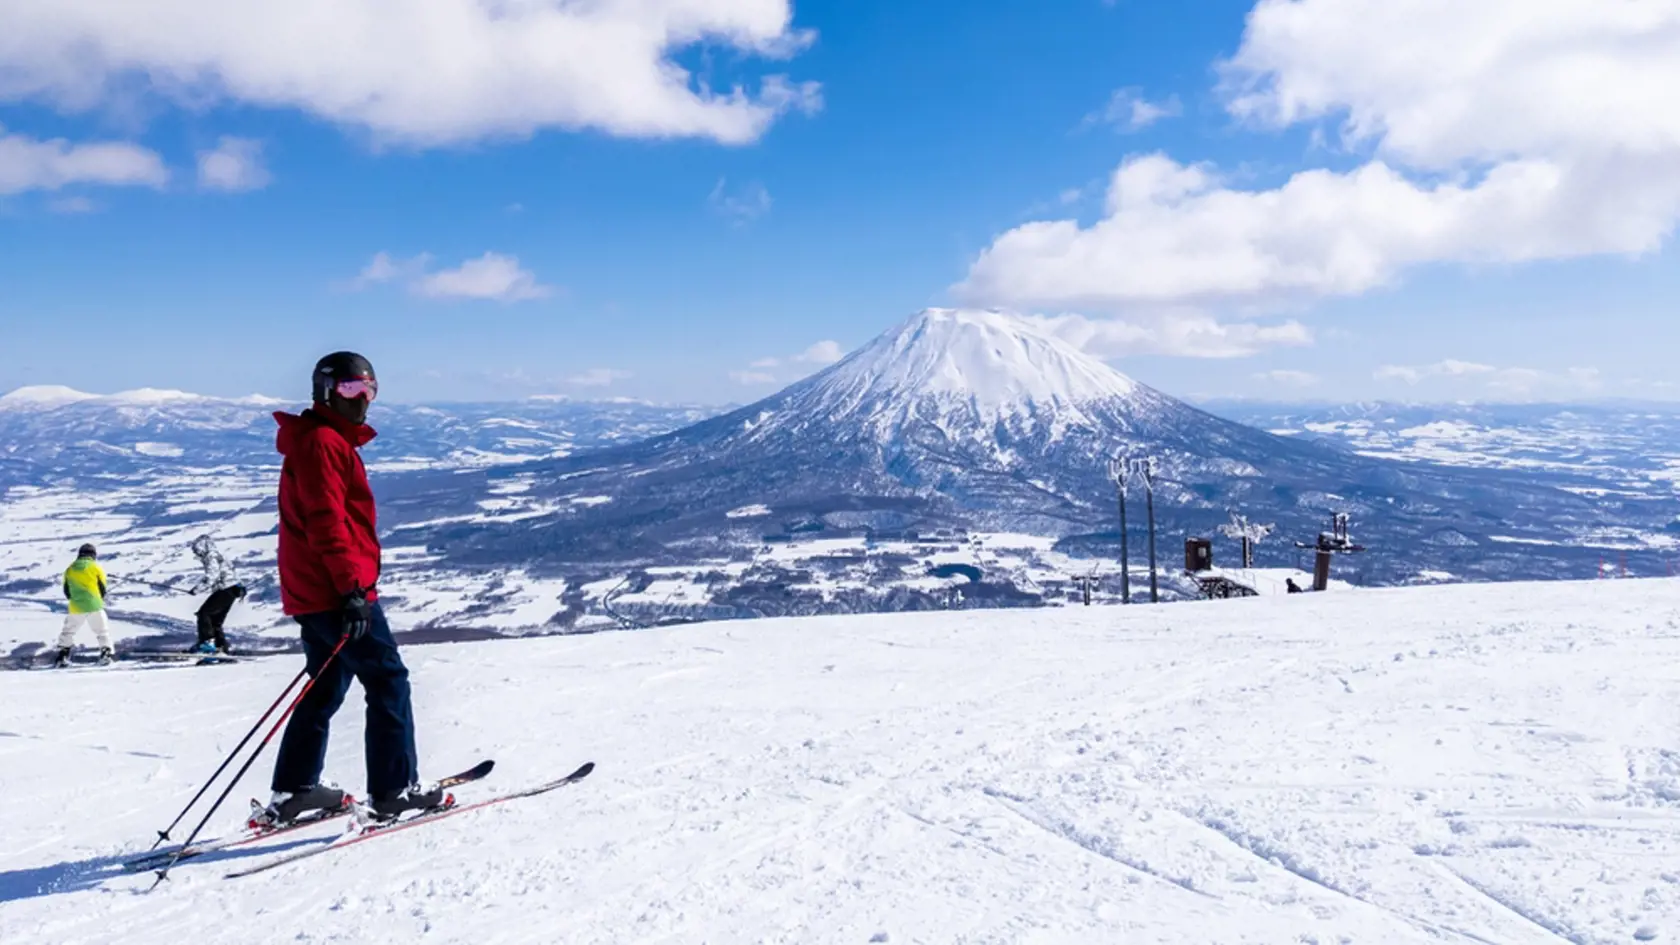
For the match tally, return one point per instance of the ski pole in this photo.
(163, 874)
(164, 833)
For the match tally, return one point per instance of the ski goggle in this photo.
(352, 387)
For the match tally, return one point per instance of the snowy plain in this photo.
(1459, 764)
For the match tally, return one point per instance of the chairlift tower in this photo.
(1146, 468)
(1117, 472)
(1329, 544)
(1250, 533)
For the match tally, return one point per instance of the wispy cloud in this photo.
(788, 368)
(1518, 382)
(234, 165)
(491, 277)
(1287, 378)
(72, 205)
(823, 352)
(33, 164)
(740, 205)
(598, 377)
(1128, 110)
(1185, 334)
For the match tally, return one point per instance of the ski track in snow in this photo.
(1460, 764)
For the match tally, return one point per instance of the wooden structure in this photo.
(1198, 555)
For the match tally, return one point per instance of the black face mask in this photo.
(354, 410)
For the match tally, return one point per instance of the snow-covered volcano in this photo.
(961, 419)
(991, 387)
(963, 367)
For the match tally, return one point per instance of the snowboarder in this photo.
(329, 572)
(1293, 587)
(212, 614)
(84, 588)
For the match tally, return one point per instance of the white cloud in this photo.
(823, 352)
(1447, 368)
(1505, 131)
(598, 377)
(72, 205)
(1286, 378)
(32, 164)
(1517, 382)
(742, 205)
(236, 164)
(1173, 334)
(424, 72)
(765, 370)
(1128, 110)
(492, 276)
(383, 268)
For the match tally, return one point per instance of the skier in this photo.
(1293, 587)
(329, 572)
(212, 614)
(84, 588)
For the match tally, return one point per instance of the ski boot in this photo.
(205, 648)
(107, 656)
(62, 659)
(390, 806)
(285, 807)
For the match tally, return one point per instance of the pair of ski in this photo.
(359, 831)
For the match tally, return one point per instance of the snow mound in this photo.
(44, 395)
(149, 396)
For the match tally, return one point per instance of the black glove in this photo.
(357, 612)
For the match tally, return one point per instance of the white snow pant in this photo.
(74, 622)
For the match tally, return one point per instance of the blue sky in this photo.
(218, 232)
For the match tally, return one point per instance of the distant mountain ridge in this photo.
(54, 430)
(961, 419)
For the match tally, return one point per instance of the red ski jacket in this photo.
(329, 539)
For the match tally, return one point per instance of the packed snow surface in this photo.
(1461, 764)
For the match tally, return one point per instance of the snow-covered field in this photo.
(1471, 763)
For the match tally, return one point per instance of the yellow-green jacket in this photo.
(84, 584)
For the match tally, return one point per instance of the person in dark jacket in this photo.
(329, 576)
(212, 614)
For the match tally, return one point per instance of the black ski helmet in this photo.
(336, 367)
(87, 551)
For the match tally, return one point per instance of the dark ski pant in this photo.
(389, 740)
(211, 629)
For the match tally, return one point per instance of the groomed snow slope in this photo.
(1482, 763)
